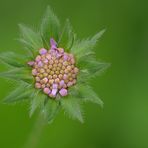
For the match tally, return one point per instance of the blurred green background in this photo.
(123, 123)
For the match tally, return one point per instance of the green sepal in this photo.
(87, 94)
(37, 101)
(18, 74)
(72, 107)
(80, 48)
(21, 93)
(12, 59)
(31, 40)
(50, 27)
(51, 109)
(93, 66)
(67, 37)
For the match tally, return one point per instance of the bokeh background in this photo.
(123, 123)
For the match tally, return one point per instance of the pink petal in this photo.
(37, 85)
(62, 83)
(48, 56)
(31, 63)
(55, 86)
(45, 61)
(69, 84)
(34, 72)
(53, 43)
(65, 77)
(40, 64)
(65, 57)
(54, 91)
(42, 51)
(38, 58)
(47, 90)
(63, 92)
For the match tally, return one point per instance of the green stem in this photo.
(36, 133)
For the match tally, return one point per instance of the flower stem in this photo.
(36, 133)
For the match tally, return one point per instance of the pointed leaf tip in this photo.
(50, 26)
(72, 107)
(88, 95)
(85, 46)
(50, 110)
(67, 36)
(30, 39)
(18, 94)
(12, 59)
(37, 101)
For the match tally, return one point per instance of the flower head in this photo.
(54, 71)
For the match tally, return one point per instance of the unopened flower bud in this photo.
(38, 58)
(45, 67)
(45, 61)
(62, 71)
(57, 80)
(42, 70)
(61, 50)
(51, 62)
(49, 77)
(66, 71)
(62, 83)
(53, 43)
(50, 66)
(51, 81)
(51, 72)
(69, 68)
(65, 63)
(37, 85)
(74, 81)
(63, 92)
(55, 86)
(54, 76)
(76, 70)
(40, 64)
(37, 79)
(65, 57)
(57, 72)
(45, 80)
(34, 72)
(48, 56)
(43, 86)
(54, 91)
(60, 76)
(69, 84)
(72, 61)
(47, 90)
(31, 63)
(65, 76)
(42, 51)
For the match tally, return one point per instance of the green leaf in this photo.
(51, 109)
(80, 48)
(18, 74)
(12, 59)
(30, 39)
(38, 100)
(50, 26)
(72, 107)
(90, 67)
(22, 92)
(87, 94)
(67, 37)
(93, 66)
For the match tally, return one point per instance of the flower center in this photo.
(54, 71)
